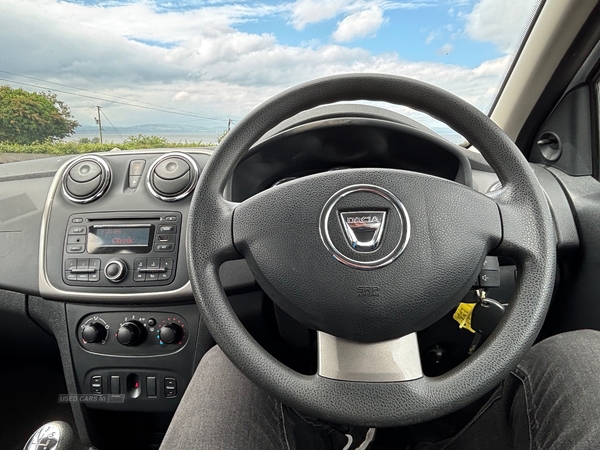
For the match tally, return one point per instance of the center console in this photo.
(113, 250)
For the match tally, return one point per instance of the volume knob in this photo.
(115, 270)
(131, 333)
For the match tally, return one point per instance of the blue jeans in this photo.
(551, 401)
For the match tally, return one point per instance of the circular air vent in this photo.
(86, 179)
(172, 176)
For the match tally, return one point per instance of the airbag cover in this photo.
(452, 228)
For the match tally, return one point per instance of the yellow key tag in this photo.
(463, 315)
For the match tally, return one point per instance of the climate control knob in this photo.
(93, 332)
(171, 333)
(115, 270)
(131, 333)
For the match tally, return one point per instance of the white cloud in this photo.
(203, 64)
(445, 49)
(360, 24)
(497, 21)
(305, 12)
(432, 36)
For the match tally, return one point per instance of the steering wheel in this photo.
(368, 257)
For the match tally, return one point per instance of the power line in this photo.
(114, 101)
(111, 124)
(99, 93)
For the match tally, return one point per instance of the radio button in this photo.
(166, 263)
(70, 276)
(95, 264)
(168, 229)
(152, 276)
(75, 248)
(139, 263)
(165, 238)
(139, 276)
(70, 263)
(164, 247)
(82, 277)
(77, 220)
(83, 263)
(153, 263)
(163, 276)
(77, 230)
(170, 219)
(94, 276)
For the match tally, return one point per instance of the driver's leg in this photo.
(551, 401)
(556, 402)
(223, 410)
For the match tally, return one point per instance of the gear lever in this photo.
(51, 436)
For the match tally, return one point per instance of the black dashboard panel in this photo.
(323, 145)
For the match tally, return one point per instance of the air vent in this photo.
(86, 179)
(172, 176)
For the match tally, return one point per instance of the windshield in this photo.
(141, 74)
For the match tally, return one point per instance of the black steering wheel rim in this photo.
(527, 237)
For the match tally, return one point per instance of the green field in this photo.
(87, 146)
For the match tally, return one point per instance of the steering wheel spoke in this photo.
(520, 239)
(345, 360)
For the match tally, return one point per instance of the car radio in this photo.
(124, 249)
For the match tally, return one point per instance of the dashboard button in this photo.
(489, 278)
(82, 277)
(170, 387)
(152, 276)
(77, 220)
(171, 219)
(166, 263)
(75, 248)
(153, 263)
(70, 263)
(169, 229)
(139, 276)
(94, 276)
(77, 230)
(83, 263)
(136, 167)
(151, 386)
(95, 264)
(96, 384)
(164, 247)
(139, 263)
(70, 276)
(163, 276)
(491, 263)
(134, 182)
(115, 384)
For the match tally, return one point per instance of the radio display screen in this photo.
(107, 239)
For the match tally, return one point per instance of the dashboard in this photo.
(97, 244)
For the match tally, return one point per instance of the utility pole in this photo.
(228, 125)
(99, 124)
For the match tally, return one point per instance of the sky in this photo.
(200, 63)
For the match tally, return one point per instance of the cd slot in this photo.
(121, 219)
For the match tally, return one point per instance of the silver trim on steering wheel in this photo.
(393, 360)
